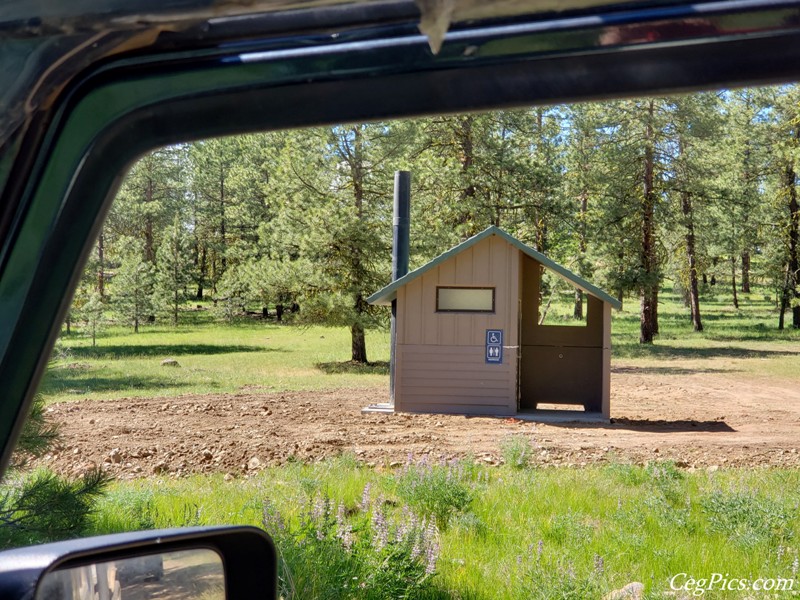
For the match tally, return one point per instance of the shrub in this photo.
(41, 506)
(364, 552)
(517, 451)
(542, 577)
(746, 517)
(436, 492)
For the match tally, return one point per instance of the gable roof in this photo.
(389, 293)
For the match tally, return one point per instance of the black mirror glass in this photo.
(180, 575)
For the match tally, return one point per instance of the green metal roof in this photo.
(389, 293)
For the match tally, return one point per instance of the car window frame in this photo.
(118, 110)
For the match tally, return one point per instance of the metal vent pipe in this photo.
(400, 252)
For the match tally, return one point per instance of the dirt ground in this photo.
(705, 420)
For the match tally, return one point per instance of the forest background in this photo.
(699, 189)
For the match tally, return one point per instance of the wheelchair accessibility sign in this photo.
(494, 346)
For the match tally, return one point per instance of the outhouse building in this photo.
(469, 340)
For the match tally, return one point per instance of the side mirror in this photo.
(213, 563)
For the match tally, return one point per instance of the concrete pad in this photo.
(381, 408)
(561, 416)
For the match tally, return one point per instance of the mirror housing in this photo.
(248, 557)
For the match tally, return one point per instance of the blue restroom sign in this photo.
(494, 346)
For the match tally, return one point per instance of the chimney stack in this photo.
(400, 252)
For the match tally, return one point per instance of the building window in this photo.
(464, 299)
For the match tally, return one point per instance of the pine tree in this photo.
(173, 270)
(133, 284)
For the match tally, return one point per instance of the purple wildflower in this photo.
(380, 528)
(319, 514)
(272, 520)
(599, 564)
(365, 499)
(432, 550)
(343, 529)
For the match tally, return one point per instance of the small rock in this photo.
(76, 451)
(253, 464)
(632, 591)
(91, 421)
(712, 469)
(395, 464)
(115, 455)
(681, 464)
(207, 454)
(137, 469)
(228, 477)
(170, 362)
(160, 467)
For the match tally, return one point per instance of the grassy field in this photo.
(213, 358)
(499, 532)
(255, 354)
(513, 533)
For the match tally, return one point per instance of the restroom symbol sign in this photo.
(494, 346)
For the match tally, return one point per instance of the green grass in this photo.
(511, 532)
(745, 341)
(213, 358)
(526, 533)
(262, 355)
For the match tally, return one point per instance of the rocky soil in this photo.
(701, 421)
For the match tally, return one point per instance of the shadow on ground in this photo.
(667, 351)
(669, 370)
(63, 381)
(654, 426)
(164, 350)
(380, 367)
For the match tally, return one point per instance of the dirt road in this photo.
(700, 420)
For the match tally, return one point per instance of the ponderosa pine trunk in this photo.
(794, 263)
(466, 156)
(694, 295)
(649, 283)
(201, 272)
(746, 272)
(733, 282)
(790, 290)
(359, 343)
(577, 313)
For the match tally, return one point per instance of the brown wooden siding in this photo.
(492, 262)
(455, 379)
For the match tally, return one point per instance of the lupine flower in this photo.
(319, 514)
(365, 499)
(431, 555)
(271, 518)
(795, 566)
(599, 564)
(416, 549)
(343, 529)
(380, 528)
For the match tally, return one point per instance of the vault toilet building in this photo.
(468, 338)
